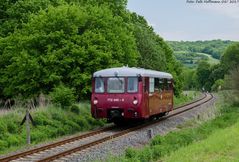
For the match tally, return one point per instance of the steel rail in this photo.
(59, 143)
(126, 131)
(55, 144)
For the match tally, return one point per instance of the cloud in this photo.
(227, 9)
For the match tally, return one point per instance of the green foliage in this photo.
(190, 79)
(230, 63)
(14, 140)
(64, 44)
(231, 84)
(154, 52)
(3, 127)
(16, 12)
(38, 135)
(186, 97)
(74, 108)
(221, 143)
(47, 43)
(189, 57)
(215, 48)
(203, 73)
(62, 96)
(230, 58)
(3, 145)
(218, 85)
(130, 152)
(194, 54)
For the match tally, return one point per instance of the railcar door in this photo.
(145, 108)
(155, 96)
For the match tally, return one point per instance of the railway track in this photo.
(66, 147)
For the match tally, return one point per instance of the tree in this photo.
(64, 44)
(230, 58)
(189, 79)
(218, 85)
(232, 86)
(16, 12)
(44, 44)
(203, 73)
(154, 52)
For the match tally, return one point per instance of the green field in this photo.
(211, 60)
(191, 59)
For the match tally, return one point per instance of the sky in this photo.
(180, 20)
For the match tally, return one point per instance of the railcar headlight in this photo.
(135, 102)
(95, 101)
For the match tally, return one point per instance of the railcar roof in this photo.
(127, 71)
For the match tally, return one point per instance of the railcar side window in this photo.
(156, 84)
(151, 85)
(169, 84)
(166, 85)
(161, 85)
(115, 85)
(99, 85)
(132, 85)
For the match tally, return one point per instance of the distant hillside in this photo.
(189, 53)
(191, 59)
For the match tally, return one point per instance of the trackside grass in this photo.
(50, 123)
(214, 133)
(186, 97)
(221, 146)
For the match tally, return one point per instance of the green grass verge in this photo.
(186, 97)
(51, 123)
(162, 146)
(221, 146)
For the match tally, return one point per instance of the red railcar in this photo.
(124, 93)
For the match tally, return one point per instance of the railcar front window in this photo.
(99, 85)
(132, 86)
(115, 85)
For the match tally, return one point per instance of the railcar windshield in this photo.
(99, 85)
(115, 85)
(132, 85)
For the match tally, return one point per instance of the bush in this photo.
(3, 127)
(218, 85)
(62, 96)
(3, 145)
(41, 119)
(130, 153)
(156, 140)
(13, 140)
(12, 127)
(83, 123)
(75, 109)
(38, 136)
